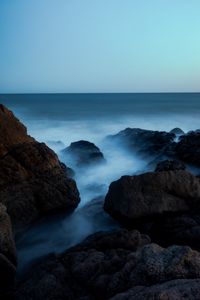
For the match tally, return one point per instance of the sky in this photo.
(85, 46)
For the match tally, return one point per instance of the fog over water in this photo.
(68, 118)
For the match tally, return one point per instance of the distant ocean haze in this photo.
(69, 117)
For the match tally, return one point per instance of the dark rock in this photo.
(84, 153)
(177, 131)
(11, 131)
(32, 180)
(170, 165)
(7, 251)
(145, 142)
(132, 198)
(116, 265)
(68, 171)
(188, 148)
(179, 289)
(181, 229)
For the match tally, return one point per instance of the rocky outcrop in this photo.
(170, 165)
(144, 142)
(12, 131)
(177, 131)
(188, 148)
(84, 153)
(7, 251)
(132, 198)
(179, 289)
(32, 180)
(115, 265)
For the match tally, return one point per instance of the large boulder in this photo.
(33, 182)
(84, 153)
(141, 197)
(188, 148)
(144, 142)
(115, 265)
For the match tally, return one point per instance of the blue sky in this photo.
(99, 45)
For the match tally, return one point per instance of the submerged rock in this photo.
(84, 153)
(145, 196)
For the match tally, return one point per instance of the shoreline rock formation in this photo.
(84, 153)
(155, 257)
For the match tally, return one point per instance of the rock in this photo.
(134, 198)
(84, 153)
(116, 265)
(68, 171)
(7, 251)
(77, 273)
(177, 131)
(144, 142)
(11, 131)
(170, 165)
(33, 182)
(188, 148)
(180, 289)
(181, 229)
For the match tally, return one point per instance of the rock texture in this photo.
(170, 165)
(32, 180)
(116, 265)
(84, 153)
(152, 194)
(188, 148)
(7, 251)
(144, 142)
(11, 131)
(177, 131)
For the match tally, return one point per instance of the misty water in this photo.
(61, 119)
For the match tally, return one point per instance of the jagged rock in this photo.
(84, 153)
(170, 165)
(11, 131)
(32, 180)
(115, 265)
(145, 196)
(180, 289)
(188, 148)
(144, 142)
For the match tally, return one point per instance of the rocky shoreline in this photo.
(155, 254)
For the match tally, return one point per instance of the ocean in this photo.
(60, 119)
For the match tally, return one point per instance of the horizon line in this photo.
(86, 93)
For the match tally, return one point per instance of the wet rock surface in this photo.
(132, 198)
(156, 255)
(84, 153)
(117, 265)
(32, 180)
(144, 142)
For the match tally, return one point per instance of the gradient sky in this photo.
(99, 45)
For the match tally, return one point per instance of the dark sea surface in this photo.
(71, 117)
